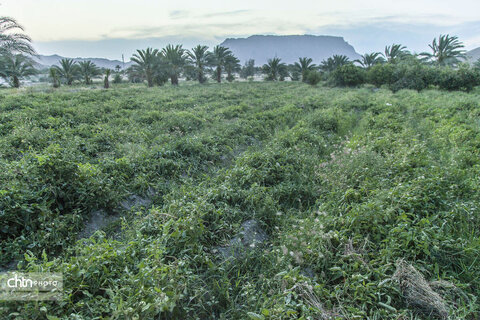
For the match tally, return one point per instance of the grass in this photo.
(346, 182)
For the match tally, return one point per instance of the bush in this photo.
(349, 75)
(414, 76)
(381, 74)
(313, 77)
(117, 79)
(465, 78)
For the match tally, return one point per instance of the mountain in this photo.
(474, 54)
(289, 48)
(48, 61)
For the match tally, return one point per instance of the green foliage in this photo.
(275, 70)
(117, 79)
(201, 58)
(414, 76)
(304, 66)
(332, 63)
(232, 65)
(175, 60)
(446, 51)
(463, 78)
(15, 67)
(106, 80)
(349, 75)
(345, 182)
(148, 66)
(12, 40)
(88, 70)
(248, 70)
(313, 77)
(68, 70)
(381, 74)
(220, 56)
(52, 74)
(396, 53)
(370, 59)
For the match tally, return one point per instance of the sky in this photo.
(107, 28)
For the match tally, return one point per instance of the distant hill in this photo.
(289, 48)
(48, 61)
(474, 54)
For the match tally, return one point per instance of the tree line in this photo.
(444, 66)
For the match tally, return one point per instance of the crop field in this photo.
(243, 201)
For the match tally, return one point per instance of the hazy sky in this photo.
(107, 28)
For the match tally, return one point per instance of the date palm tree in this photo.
(220, 55)
(14, 67)
(146, 63)
(88, 70)
(446, 51)
(274, 69)
(53, 75)
(395, 52)
(175, 60)
(303, 66)
(201, 58)
(12, 39)
(332, 63)
(68, 70)
(232, 65)
(370, 59)
(106, 81)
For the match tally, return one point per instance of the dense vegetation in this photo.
(344, 181)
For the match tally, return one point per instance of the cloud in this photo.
(179, 14)
(223, 14)
(209, 30)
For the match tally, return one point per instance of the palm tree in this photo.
(446, 51)
(274, 69)
(88, 70)
(54, 76)
(106, 83)
(248, 70)
(220, 55)
(201, 58)
(14, 67)
(68, 70)
(303, 66)
(395, 52)
(332, 63)
(370, 59)
(232, 65)
(175, 59)
(146, 63)
(13, 41)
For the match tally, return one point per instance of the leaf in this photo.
(255, 316)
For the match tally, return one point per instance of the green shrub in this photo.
(117, 79)
(313, 77)
(381, 74)
(464, 78)
(414, 76)
(349, 75)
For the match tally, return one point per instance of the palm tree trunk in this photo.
(16, 82)
(219, 74)
(174, 79)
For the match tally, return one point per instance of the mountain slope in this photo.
(474, 55)
(289, 48)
